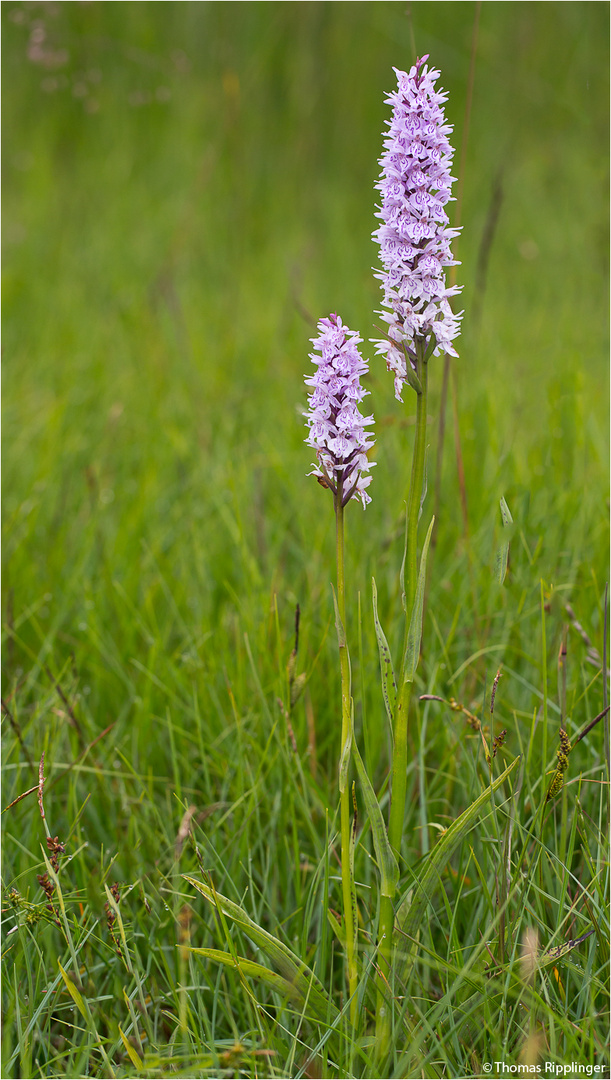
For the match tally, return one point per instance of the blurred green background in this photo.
(188, 187)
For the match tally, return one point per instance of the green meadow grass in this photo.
(186, 191)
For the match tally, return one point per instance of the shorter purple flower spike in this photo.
(336, 426)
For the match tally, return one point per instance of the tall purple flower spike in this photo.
(336, 425)
(414, 237)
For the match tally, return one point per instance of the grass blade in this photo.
(389, 685)
(292, 969)
(412, 648)
(277, 982)
(502, 555)
(387, 863)
(135, 1058)
(424, 887)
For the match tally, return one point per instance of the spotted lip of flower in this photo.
(336, 424)
(414, 237)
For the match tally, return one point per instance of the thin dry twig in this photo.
(593, 655)
(71, 714)
(485, 247)
(587, 729)
(17, 729)
(82, 755)
(20, 797)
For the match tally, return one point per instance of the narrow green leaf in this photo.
(389, 685)
(389, 870)
(351, 849)
(412, 651)
(255, 971)
(506, 514)
(339, 626)
(432, 345)
(75, 994)
(404, 560)
(132, 1015)
(501, 563)
(502, 555)
(413, 379)
(337, 927)
(135, 1058)
(344, 763)
(43, 1005)
(301, 977)
(83, 1008)
(424, 482)
(401, 914)
(425, 886)
(119, 921)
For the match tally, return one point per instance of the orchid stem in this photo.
(399, 758)
(348, 890)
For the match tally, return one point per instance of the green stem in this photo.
(399, 759)
(415, 495)
(544, 672)
(348, 892)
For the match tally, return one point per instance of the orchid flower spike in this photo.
(414, 237)
(336, 425)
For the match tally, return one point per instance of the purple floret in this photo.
(414, 237)
(336, 425)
